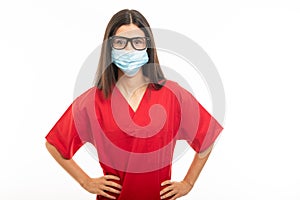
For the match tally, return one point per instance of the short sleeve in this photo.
(71, 131)
(197, 126)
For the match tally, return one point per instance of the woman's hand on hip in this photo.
(174, 190)
(102, 185)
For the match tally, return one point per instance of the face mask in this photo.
(129, 61)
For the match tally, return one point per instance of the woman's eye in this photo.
(119, 42)
(138, 41)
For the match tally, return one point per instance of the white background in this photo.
(255, 46)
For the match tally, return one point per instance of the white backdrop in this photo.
(255, 46)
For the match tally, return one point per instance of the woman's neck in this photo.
(129, 85)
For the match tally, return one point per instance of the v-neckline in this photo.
(128, 104)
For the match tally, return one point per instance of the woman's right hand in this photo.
(102, 185)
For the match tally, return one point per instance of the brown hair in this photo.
(107, 72)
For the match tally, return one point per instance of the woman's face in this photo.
(129, 31)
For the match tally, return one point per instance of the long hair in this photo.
(107, 72)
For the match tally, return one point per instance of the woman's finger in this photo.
(167, 182)
(111, 177)
(110, 189)
(102, 193)
(167, 189)
(113, 184)
(169, 194)
(175, 197)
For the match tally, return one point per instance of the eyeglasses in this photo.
(138, 43)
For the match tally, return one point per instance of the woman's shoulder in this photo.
(174, 87)
(88, 97)
(177, 89)
(86, 93)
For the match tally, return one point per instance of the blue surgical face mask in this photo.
(129, 61)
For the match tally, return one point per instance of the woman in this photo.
(133, 116)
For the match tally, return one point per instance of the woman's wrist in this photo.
(84, 181)
(190, 183)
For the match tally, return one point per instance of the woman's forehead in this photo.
(130, 30)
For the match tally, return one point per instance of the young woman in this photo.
(133, 116)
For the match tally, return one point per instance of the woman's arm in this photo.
(179, 189)
(92, 185)
(197, 166)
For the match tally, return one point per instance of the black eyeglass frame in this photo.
(127, 40)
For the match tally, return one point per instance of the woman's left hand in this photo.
(175, 189)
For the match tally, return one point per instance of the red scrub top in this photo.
(137, 146)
